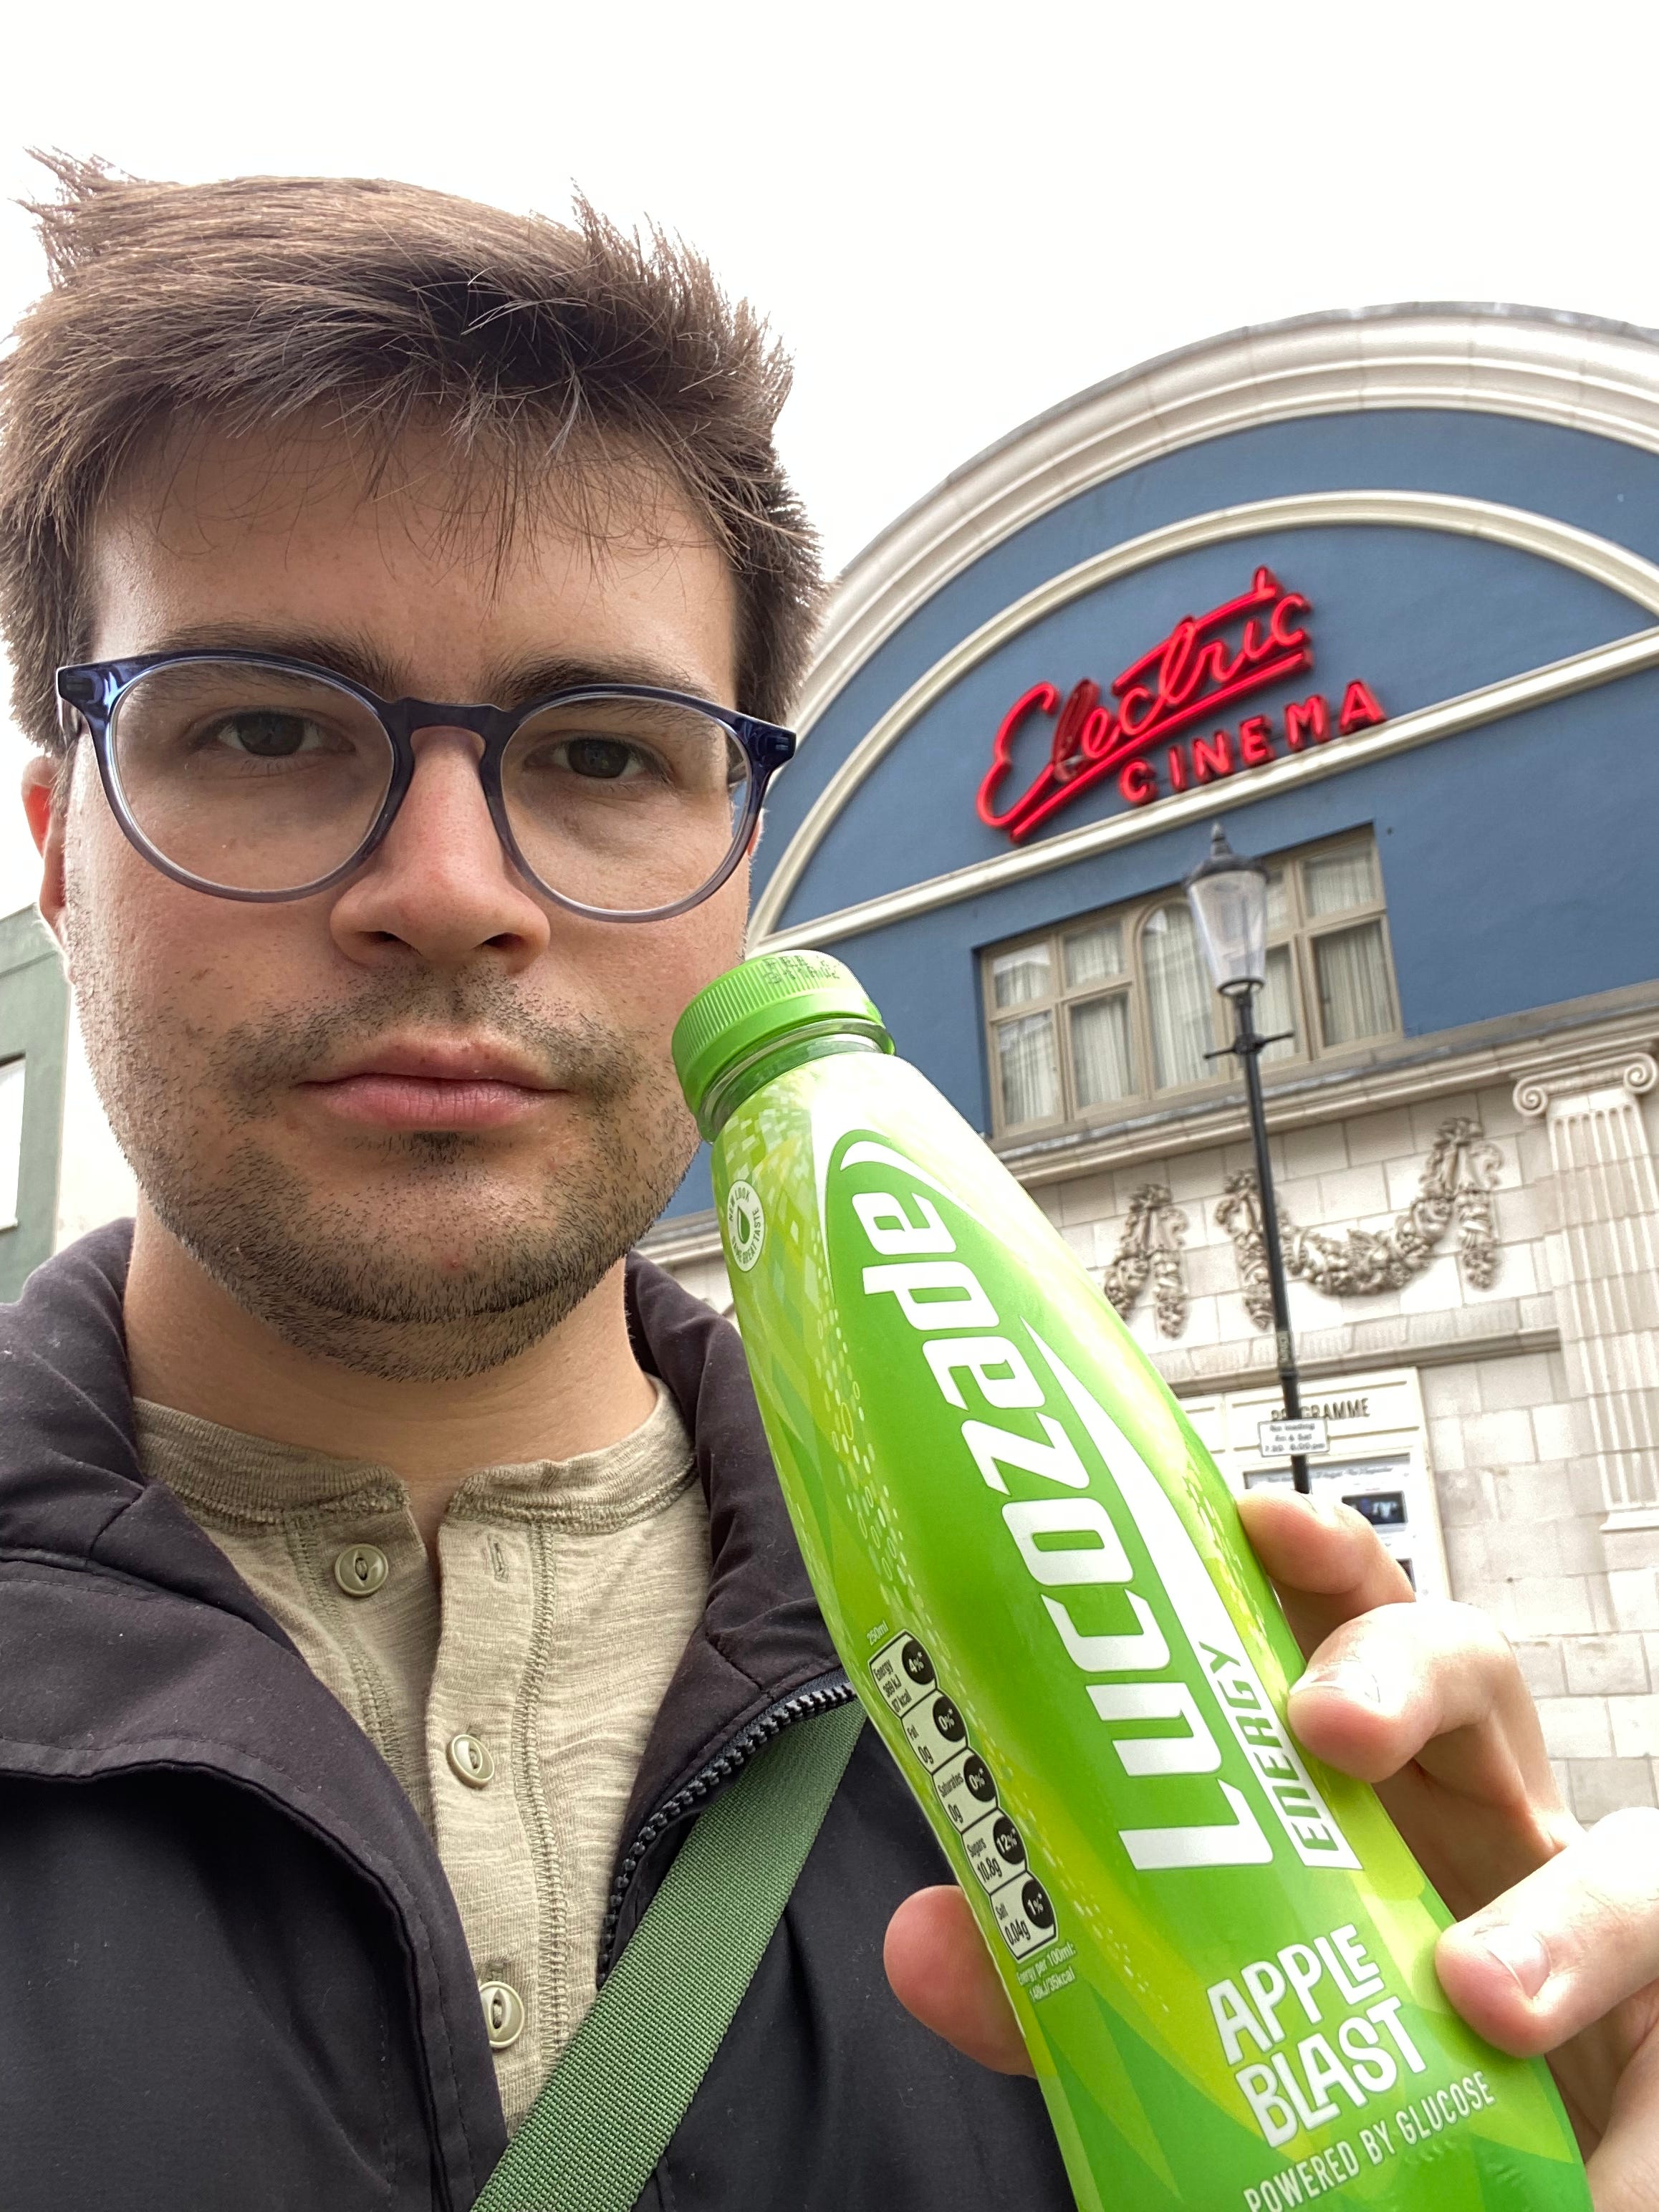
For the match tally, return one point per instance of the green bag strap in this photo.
(593, 2136)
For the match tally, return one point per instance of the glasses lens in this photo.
(247, 777)
(625, 804)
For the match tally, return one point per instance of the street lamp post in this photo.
(1228, 896)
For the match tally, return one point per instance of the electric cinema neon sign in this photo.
(1205, 665)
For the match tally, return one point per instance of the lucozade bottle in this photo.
(1220, 1952)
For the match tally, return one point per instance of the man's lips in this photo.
(433, 1086)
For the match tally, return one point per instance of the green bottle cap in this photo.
(741, 1012)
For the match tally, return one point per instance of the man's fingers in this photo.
(1327, 1561)
(941, 1971)
(1558, 1951)
(1427, 1702)
(1624, 2172)
(1436, 1680)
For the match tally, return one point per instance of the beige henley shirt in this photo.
(511, 1691)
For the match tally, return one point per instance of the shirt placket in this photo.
(479, 1751)
(372, 1588)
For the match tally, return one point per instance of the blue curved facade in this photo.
(1504, 1384)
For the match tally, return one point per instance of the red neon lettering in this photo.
(1255, 741)
(1179, 672)
(1306, 718)
(1188, 677)
(1095, 736)
(1211, 758)
(1287, 640)
(1044, 699)
(1138, 783)
(1135, 722)
(1359, 710)
(1066, 758)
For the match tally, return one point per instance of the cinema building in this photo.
(1380, 594)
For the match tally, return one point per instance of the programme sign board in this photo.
(1288, 1439)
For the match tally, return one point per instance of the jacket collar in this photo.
(761, 1636)
(128, 1641)
(72, 1494)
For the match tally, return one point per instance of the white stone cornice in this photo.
(1408, 1080)
(1580, 1074)
(1620, 1040)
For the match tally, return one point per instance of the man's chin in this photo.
(428, 1284)
(442, 1350)
(411, 1314)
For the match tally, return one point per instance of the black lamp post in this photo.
(1228, 896)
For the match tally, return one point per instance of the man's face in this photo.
(410, 1122)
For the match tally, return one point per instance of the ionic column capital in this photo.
(1633, 1071)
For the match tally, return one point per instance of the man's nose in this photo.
(441, 884)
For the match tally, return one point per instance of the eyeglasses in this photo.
(251, 776)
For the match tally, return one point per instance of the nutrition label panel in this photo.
(934, 1727)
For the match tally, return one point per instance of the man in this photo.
(390, 1569)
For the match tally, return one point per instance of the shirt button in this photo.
(360, 1569)
(472, 1759)
(503, 2010)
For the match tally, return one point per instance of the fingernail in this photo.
(1353, 1681)
(1523, 1954)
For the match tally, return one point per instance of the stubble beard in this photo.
(330, 1273)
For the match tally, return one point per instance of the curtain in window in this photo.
(1029, 1068)
(1017, 978)
(1338, 882)
(1353, 984)
(1177, 999)
(1094, 954)
(1277, 1009)
(1101, 1066)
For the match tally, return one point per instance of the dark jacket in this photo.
(231, 1972)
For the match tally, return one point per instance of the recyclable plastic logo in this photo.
(745, 1224)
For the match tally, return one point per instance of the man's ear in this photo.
(45, 802)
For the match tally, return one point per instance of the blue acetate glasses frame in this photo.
(89, 695)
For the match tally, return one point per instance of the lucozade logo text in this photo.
(1179, 1663)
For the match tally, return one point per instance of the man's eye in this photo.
(606, 759)
(268, 735)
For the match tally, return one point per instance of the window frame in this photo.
(1298, 932)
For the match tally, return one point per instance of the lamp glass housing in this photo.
(1228, 896)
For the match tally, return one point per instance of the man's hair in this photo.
(539, 350)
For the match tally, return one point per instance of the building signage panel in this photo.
(1206, 665)
(1285, 1439)
(1377, 1458)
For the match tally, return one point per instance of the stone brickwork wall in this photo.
(1523, 1498)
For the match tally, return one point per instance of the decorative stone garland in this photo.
(1458, 1178)
(1150, 1245)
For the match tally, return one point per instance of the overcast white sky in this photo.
(956, 215)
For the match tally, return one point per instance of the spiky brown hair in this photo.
(541, 349)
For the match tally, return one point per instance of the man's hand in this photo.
(1556, 1947)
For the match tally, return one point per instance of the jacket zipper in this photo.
(817, 1698)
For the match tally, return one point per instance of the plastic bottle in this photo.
(1220, 1952)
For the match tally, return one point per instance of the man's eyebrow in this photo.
(510, 683)
(514, 683)
(339, 652)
